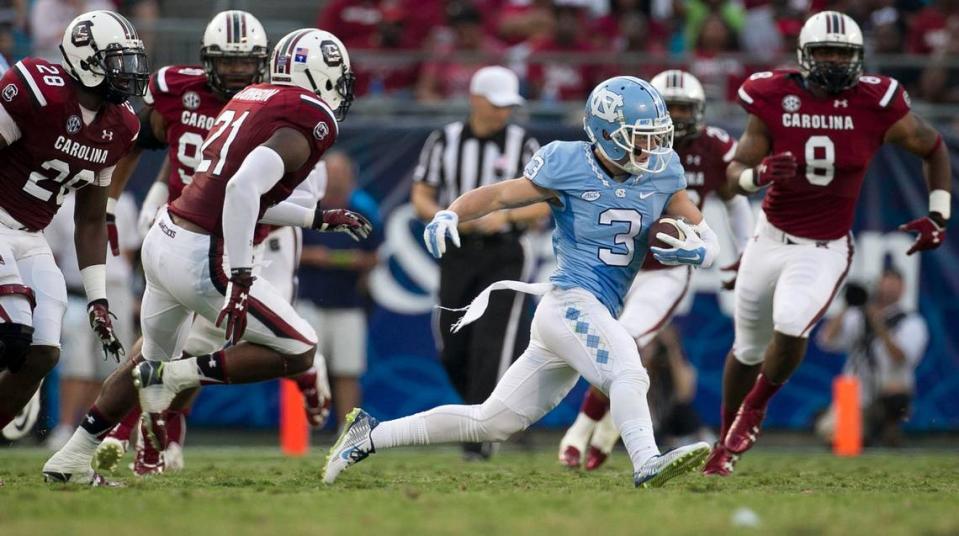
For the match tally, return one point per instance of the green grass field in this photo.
(257, 491)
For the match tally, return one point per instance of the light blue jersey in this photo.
(600, 239)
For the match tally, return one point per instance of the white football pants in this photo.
(573, 334)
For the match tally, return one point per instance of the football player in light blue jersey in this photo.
(604, 196)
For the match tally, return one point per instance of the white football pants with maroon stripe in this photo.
(785, 284)
(186, 273)
(276, 259)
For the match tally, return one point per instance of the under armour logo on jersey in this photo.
(607, 105)
(212, 363)
(840, 103)
(73, 124)
(107, 134)
(2, 262)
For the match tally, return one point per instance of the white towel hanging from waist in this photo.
(478, 306)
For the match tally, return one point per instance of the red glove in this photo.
(112, 237)
(734, 268)
(99, 313)
(775, 167)
(234, 310)
(340, 220)
(931, 230)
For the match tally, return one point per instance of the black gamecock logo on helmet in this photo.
(73, 124)
(82, 36)
(331, 53)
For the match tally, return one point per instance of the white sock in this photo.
(80, 447)
(627, 395)
(582, 427)
(181, 374)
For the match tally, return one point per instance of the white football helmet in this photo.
(681, 87)
(102, 49)
(834, 30)
(315, 60)
(233, 34)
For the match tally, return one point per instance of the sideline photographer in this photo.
(884, 345)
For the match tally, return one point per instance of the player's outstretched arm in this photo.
(915, 135)
(90, 238)
(751, 168)
(511, 194)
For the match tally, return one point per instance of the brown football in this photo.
(667, 226)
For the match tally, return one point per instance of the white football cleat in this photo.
(65, 466)
(601, 444)
(154, 393)
(664, 467)
(109, 453)
(353, 445)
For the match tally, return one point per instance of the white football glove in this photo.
(444, 224)
(699, 248)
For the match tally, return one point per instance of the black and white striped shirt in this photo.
(455, 161)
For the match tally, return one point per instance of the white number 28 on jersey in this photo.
(625, 240)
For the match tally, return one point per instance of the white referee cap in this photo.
(498, 84)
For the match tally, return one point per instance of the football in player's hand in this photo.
(667, 226)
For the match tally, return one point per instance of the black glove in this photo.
(99, 313)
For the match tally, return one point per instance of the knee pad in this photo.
(498, 422)
(15, 341)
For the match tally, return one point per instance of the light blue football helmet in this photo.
(627, 120)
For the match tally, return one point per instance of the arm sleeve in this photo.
(308, 193)
(740, 217)
(105, 175)
(288, 213)
(429, 169)
(127, 223)
(258, 173)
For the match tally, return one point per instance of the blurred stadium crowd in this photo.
(427, 50)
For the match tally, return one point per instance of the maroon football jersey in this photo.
(247, 121)
(833, 139)
(181, 95)
(50, 150)
(704, 159)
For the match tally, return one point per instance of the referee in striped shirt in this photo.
(457, 158)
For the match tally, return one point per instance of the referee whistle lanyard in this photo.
(478, 306)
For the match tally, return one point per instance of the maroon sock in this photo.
(762, 391)
(175, 425)
(727, 416)
(594, 406)
(212, 368)
(126, 426)
(96, 424)
(6, 419)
